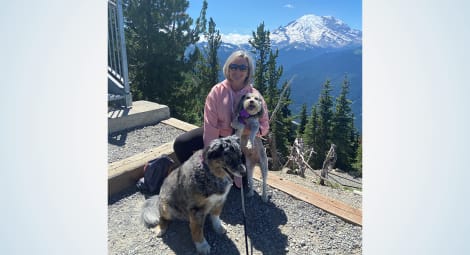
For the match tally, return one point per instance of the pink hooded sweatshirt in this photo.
(219, 110)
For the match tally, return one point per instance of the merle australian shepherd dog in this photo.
(197, 188)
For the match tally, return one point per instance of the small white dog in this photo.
(249, 110)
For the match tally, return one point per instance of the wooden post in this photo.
(328, 164)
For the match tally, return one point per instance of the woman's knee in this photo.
(185, 144)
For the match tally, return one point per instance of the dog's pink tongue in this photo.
(238, 181)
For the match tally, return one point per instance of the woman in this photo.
(220, 104)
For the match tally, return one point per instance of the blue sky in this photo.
(244, 16)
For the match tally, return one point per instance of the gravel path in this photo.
(127, 143)
(284, 225)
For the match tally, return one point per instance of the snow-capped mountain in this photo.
(308, 31)
(316, 31)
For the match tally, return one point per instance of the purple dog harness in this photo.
(243, 116)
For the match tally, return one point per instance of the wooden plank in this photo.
(124, 173)
(332, 206)
(139, 159)
(179, 124)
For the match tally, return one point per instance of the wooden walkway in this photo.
(332, 206)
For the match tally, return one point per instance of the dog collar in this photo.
(243, 115)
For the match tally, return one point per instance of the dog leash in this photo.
(244, 218)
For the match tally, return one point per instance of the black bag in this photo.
(155, 172)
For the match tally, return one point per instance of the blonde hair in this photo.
(247, 57)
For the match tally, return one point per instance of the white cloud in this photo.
(235, 38)
(290, 6)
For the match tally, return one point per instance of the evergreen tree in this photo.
(262, 47)
(158, 32)
(203, 76)
(266, 79)
(358, 162)
(342, 131)
(355, 143)
(311, 133)
(285, 132)
(201, 21)
(190, 107)
(213, 44)
(272, 76)
(325, 114)
(303, 120)
(282, 127)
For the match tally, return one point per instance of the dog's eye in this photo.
(230, 161)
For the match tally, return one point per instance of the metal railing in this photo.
(118, 74)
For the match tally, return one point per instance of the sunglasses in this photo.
(234, 67)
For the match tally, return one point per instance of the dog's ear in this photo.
(232, 141)
(215, 150)
(261, 108)
(240, 104)
(261, 111)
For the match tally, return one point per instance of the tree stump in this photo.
(296, 157)
(328, 164)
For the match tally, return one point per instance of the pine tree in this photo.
(355, 138)
(283, 125)
(285, 134)
(266, 79)
(342, 134)
(158, 32)
(303, 120)
(203, 76)
(272, 76)
(325, 114)
(358, 162)
(262, 47)
(213, 44)
(311, 133)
